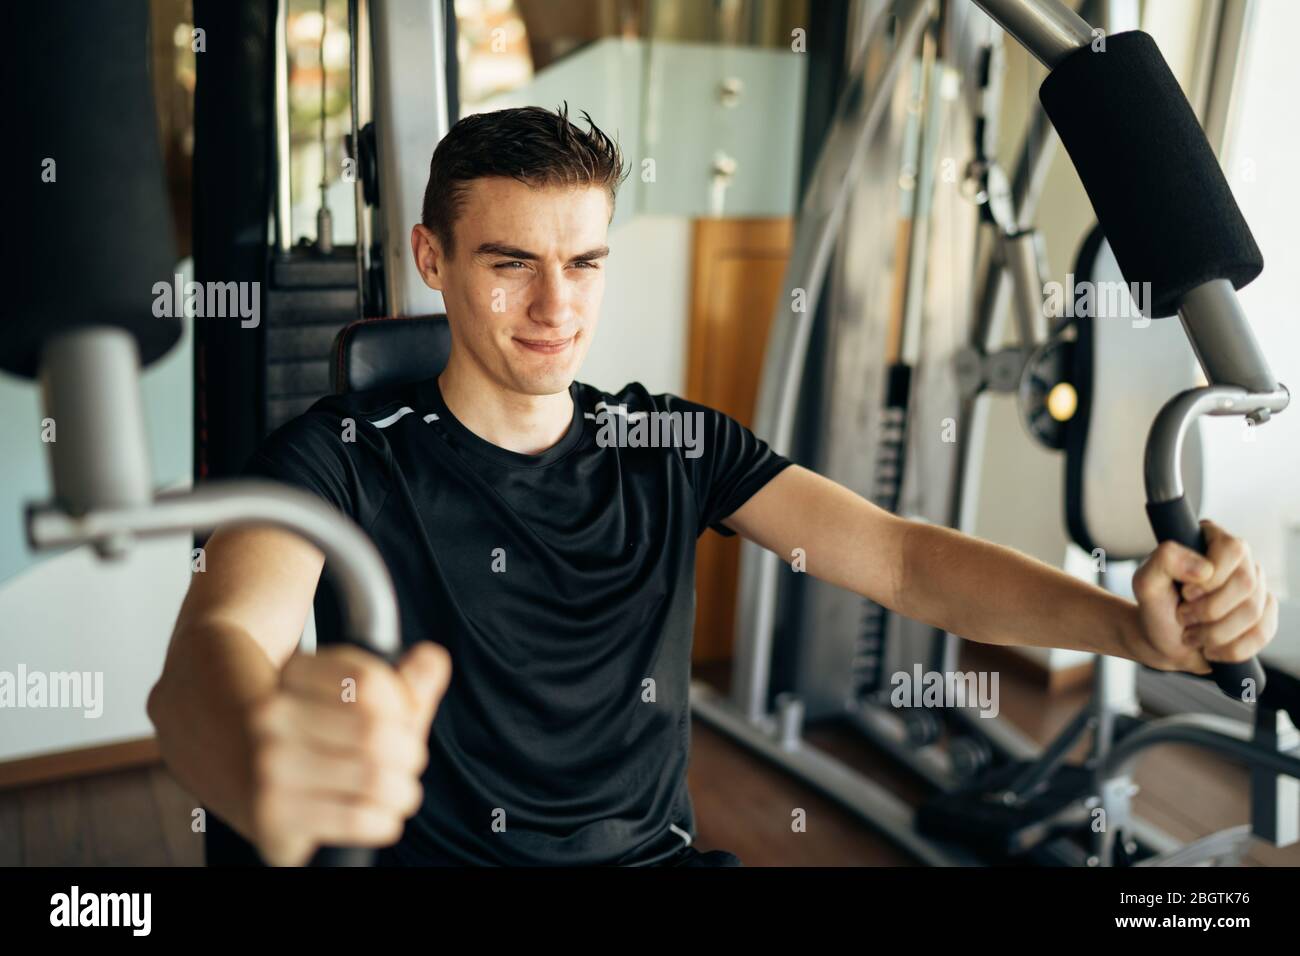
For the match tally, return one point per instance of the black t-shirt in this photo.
(563, 587)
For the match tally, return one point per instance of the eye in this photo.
(506, 265)
(586, 265)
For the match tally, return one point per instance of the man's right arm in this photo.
(264, 736)
(238, 625)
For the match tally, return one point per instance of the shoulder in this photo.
(355, 426)
(373, 410)
(377, 407)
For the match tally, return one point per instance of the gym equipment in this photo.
(995, 797)
(92, 115)
(88, 347)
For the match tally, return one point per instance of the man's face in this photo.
(523, 291)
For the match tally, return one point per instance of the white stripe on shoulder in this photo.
(431, 417)
(619, 410)
(681, 833)
(385, 422)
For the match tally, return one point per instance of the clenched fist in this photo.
(338, 750)
(1226, 613)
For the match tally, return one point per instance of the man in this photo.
(551, 558)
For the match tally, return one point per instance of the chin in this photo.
(550, 382)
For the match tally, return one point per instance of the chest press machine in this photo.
(1167, 222)
(87, 340)
(85, 328)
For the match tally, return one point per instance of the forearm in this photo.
(200, 706)
(992, 594)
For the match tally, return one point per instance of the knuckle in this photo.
(1234, 548)
(419, 756)
(1143, 579)
(370, 777)
(263, 716)
(353, 819)
(415, 799)
(267, 760)
(1168, 551)
(1243, 649)
(365, 822)
(442, 660)
(372, 730)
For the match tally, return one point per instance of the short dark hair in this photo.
(536, 146)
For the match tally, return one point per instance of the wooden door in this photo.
(737, 273)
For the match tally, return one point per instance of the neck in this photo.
(515, 421)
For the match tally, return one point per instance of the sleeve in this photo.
(330, 454)
(727, 465)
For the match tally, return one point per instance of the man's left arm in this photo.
(995, 595)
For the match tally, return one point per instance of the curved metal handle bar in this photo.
(1164, 449)
(1219, 734)
(370, 602)
(1172, 515)
(857, 117)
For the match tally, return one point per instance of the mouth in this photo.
(546, 346)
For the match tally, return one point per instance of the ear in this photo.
(428, 256)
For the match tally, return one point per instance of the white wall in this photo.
(75, 613)
(1253, 487)
(62, 612)
(642, 332)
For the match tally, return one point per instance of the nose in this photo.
(552, 302)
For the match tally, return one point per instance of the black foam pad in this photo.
(1153, 179)
(89, 246)
(373, 353)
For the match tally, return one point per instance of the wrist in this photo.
(1130, 637)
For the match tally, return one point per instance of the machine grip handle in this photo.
(361, 856)
(1175, 520)
(344, 856)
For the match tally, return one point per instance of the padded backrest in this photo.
(372, 353)
(1126, 368)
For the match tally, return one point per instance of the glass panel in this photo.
(705, 98)
(319, 101)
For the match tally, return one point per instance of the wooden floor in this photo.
(142, 817)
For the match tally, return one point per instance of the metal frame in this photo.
(821, 213)
(103, 495)
(1240, 383)
(409, 99)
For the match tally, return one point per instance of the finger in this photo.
(286, 851)
(303, 772)
(1216, 605)
(1170, 562)
(1255, 639)
(344, 730)
(347, 675)
(290, 820)
(426, 669)
(1225, 553)
(1220, 633)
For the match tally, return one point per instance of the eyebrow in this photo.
(510, 252)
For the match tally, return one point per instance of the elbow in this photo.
(156, 706)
